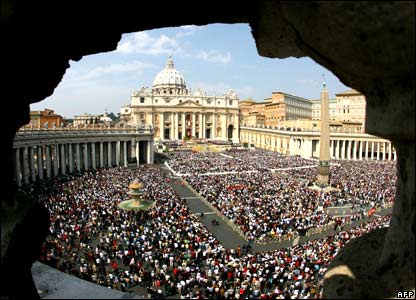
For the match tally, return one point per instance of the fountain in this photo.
(136, 202)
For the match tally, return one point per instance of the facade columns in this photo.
(109, 156)
(201, 126)
(101, 155)
(349, 150)
(138, 152)
(194, 125)
(176, 127)
(354, 151)
(224, 126)
(337, 146)
(183, 126)
(214, 126)
(118, 152)
(17, 166)
(343, 149)
(384, 150)
(162, 125)
(55, 159)
(86, 164)
(149, 150)
(360, 155)
(48, 161)
(331, 148)
(93, 158)
(366, 150)
(40, 163)
(70, 159)
(32, 164)
(63, 164)
(125, 154)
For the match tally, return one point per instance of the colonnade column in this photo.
(342, 156)
(125, 154)
(17, 166)
(32, 164)
(93, 158)
(71, 159)
(366, 150)
(48, 161)
(77, 157)
(372, 150)
(384, 150)
(63, 164)
(86, 165)
(40, 163)
(378, 150)
(390, 158)
(55, 159)
(25, 165)
(118, 153)
(360, 156)
(109, 159)
(101, 155)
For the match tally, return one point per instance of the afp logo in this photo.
(405, 295)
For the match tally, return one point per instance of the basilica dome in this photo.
(169, 77)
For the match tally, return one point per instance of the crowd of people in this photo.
(167, 252)
(233, 160)
(269, 206)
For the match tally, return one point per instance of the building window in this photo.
(141, 99)
(142, 116)
(167, 100)
(180, 101)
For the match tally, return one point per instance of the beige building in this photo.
(277, 109)
(177, 113)
(316, 109)
(351, 110)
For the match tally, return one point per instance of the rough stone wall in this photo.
(369, 46)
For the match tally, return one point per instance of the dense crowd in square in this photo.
(167, 252)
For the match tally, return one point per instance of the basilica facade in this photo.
(176, 113)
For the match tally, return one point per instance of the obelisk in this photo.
(323, 166)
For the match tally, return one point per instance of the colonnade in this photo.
(37, 159)
(351, 146)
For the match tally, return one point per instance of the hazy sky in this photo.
(215, 58)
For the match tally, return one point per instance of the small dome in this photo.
(169, 77)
